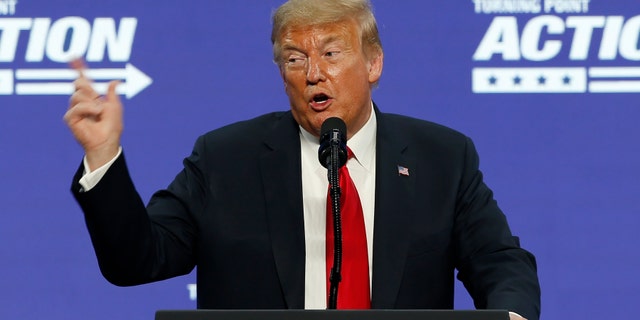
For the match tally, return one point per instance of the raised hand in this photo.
(95, 120)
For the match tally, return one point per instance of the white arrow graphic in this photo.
(614, 79)
(6, 82)
(134, 81)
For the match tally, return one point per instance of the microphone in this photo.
(332, 154)
(333, 133)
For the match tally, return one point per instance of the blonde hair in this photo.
(318, 12)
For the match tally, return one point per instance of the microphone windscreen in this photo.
(331, 124)
(333, 131)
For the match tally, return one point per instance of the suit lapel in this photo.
(281, 175)
(393, 214)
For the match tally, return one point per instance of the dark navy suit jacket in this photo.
(236, 212)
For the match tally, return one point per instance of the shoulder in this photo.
(423, 132)
(252, 131)
(245, 128)
(241, 142)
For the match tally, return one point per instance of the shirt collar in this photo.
(362, 144)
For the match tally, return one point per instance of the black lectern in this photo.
(332, 315)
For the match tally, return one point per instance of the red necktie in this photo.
(353, 290)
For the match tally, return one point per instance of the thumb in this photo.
(112, 96)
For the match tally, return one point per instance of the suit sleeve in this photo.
(496, 271)
(135, 244)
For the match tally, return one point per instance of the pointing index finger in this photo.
(82, 83)
(79, 65)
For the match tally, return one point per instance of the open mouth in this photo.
(320, 101)
(320, 98)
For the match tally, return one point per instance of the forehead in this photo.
(344, 31)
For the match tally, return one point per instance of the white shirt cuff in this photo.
(90, 179)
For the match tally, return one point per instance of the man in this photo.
(260, 243)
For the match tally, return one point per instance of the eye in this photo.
(295, 60)
(332, 53)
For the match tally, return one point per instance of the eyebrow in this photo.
(323, 42)
(331, 39)
(289, 47)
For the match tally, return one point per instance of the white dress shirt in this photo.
(362, 168)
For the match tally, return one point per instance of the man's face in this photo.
(327, 74)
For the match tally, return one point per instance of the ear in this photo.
(375, 67)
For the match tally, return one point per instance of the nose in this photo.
(315, 71)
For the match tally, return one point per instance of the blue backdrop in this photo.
(548, 90)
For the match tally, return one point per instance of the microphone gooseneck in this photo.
(332, 154)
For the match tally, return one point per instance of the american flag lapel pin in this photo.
(403, 171)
